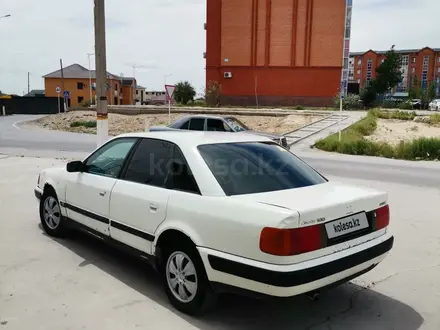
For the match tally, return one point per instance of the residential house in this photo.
(155, 97)
(140, 94)
(35, 93)
(81, 85)
(421, 63)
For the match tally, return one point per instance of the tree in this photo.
(432, 93)
(388, 72)
(184, 92)
(415, 91)
(213, 93)
(369, 94)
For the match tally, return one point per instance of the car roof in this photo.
(195, 138)
(205, 116)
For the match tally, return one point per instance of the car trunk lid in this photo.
(321, 203)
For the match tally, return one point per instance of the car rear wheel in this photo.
(186, 282)
(50, 215)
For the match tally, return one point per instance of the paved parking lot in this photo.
(80, 284)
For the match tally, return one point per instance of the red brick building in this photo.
(421, 63)
(276, 52)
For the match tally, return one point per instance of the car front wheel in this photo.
(50, 215)
(186, 282)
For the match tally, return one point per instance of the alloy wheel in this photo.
(51, 212)
(181, 277)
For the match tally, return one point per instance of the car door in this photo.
(88, 192)
(197, 124)
(217, 125)
(139, 200)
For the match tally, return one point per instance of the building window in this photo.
(414, 60)
(405, 60)
(137, 92)
(359, 62)
(425, 70)
(358, 72)
(116, 87)
(413, 70)
(438, 59)
(80, 99)
(369, 68)
(80, 85)
(383, 60)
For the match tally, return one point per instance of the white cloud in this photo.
(166, 36)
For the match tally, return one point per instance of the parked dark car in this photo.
(216, 123)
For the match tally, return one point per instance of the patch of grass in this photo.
(88, 124)
(434, 119)
(353, 142)
(396, 114)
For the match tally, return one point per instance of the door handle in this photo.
(102, 193)
(153, 207)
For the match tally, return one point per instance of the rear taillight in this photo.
(289, 242)
(382, 217)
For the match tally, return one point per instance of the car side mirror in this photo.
(75, 166)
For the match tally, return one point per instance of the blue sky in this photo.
(167, 36)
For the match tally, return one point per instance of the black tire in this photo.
(59, 230)
(205, 298)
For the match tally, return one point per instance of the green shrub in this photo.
(350, 102)
(396, 114)
(85, 103)
(365, 126)
(388, 104)
(353, 141)
(434, 119)
(299, 107)
(406, 105)
(88, 124)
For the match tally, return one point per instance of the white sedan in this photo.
(434, 105)
(219, 212)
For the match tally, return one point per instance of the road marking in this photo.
(17, 122)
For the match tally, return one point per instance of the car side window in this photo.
(216, 125)
(180, 176)
(197, 124)
(109, 159)
(185, 125)
(149, 163)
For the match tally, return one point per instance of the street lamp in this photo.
(6, 16)
(165, 77)
(90, 77)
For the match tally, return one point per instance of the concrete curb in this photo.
(128, 110)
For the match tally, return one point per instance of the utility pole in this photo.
(101, 73)
(62, 86)
(29, 85)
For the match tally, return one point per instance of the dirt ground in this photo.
(119, 124)
(393, 131)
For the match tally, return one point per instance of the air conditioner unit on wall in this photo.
(227, 75)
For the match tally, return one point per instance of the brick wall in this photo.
(279, 49)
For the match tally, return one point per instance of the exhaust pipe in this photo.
(314, 296)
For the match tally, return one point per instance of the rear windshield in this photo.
(256, 167)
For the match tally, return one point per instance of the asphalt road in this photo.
(14, 140)
(78, 283)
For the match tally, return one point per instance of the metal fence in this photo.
(29, 105)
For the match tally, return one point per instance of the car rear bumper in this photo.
(290, 280)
